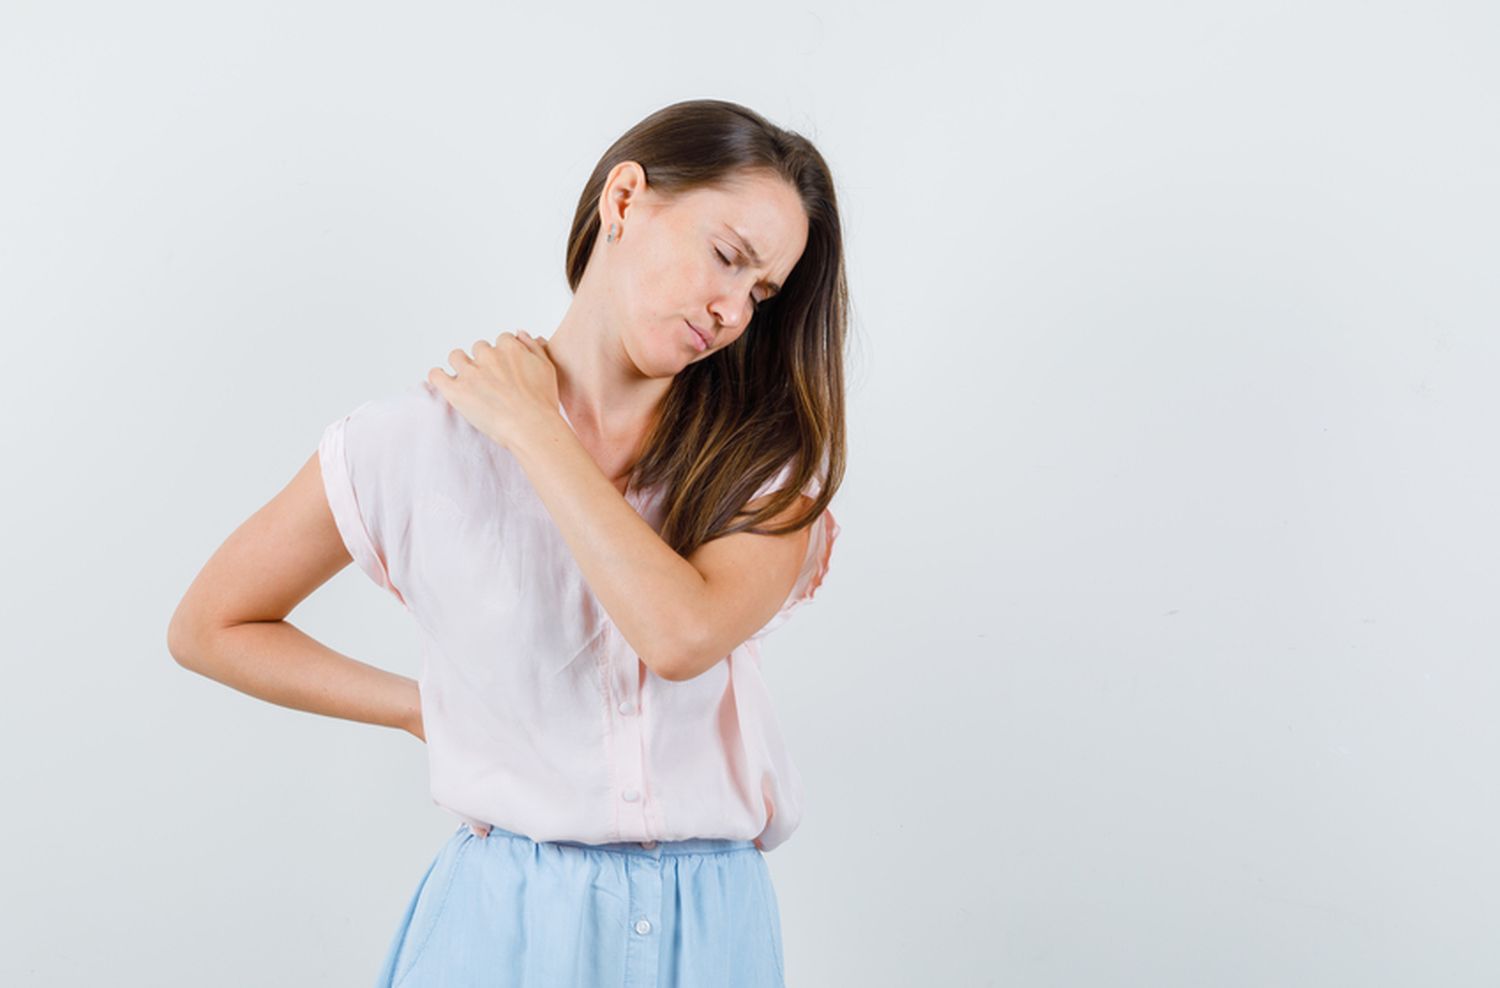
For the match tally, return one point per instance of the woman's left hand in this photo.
(504, 389)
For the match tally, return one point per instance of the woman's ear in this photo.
(622, 189)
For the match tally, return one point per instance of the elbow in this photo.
(687, 640)
(671, 671)
(185, 640)
(179, 643)
(669, 665)
(691, 668)
(688, 660)
(679, 672)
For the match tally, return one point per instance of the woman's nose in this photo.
(730, 316)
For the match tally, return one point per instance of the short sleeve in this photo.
(825, 531)
(368, 463)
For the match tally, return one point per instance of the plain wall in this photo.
(1159, 647)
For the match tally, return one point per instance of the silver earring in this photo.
(611, 237)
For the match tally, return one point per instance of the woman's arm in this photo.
(278, 662)
(680, 615)
(230, 625)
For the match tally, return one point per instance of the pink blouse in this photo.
(539, 717)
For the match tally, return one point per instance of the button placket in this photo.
(626, 734)
(643, 949)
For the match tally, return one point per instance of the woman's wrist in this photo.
(413, 722)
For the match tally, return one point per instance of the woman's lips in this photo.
(700, 339)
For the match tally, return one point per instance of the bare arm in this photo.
(681, 616)
(230, 625)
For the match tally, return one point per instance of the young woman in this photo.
(593, 532)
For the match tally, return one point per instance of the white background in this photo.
(1159, 647)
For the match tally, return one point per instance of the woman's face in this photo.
(704, 259)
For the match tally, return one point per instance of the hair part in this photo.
(772, 399)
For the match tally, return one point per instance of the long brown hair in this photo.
(774, 396)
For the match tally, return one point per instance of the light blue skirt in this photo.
(504, 911)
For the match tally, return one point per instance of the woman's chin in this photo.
(667, 364)
(682, 353)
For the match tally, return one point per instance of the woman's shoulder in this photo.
(413, 429)
(416, 410)
(412, 403)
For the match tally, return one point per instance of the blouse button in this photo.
(630, 795)
(627, 707)
(643, 926)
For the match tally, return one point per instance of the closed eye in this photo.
(754, 303)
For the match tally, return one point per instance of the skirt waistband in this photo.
(691, 845)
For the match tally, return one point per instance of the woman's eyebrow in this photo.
(754, 257)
